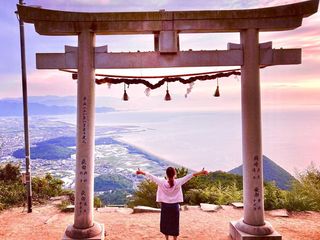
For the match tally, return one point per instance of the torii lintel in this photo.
(52, 22)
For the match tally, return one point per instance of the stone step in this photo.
(278, 213)
(207, 207)
(237, 204)
(189, 207)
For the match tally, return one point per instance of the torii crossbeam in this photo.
(166, 27)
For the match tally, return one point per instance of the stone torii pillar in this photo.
(166, 26)
(253, 221)
(84, 226)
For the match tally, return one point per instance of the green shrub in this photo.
(111, 181)
(214, 178)
(13, 193)
(64, 204)
(2, 207)
(145, 195)
(97, 203)
(115, 197)
(305, 193)
(274, 198)
(215, 194)
(10, 172)
(12, 190)
(45, 187)
(225, 194)
(181, 172)
(195, 196)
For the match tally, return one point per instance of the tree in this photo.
(305, 193)
(145, 195)
(274, 197)
(45, 187)
(10, 172)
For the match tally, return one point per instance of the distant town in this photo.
(50, 139)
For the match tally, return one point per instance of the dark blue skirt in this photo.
(169, 221)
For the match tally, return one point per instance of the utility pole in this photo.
(25, 114)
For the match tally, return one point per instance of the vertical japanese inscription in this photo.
(256, 175)
(84, 120)
(83, 180)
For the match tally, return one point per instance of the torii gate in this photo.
(166, 27)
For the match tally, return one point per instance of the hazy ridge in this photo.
(271, 172)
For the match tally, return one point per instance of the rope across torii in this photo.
(127, 80)
(166, 26)
(192, 77)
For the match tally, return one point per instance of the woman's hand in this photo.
(202, 172)
(140, 172)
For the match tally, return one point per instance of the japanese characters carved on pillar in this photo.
(84, 120)
(83, 180)
(257, 191)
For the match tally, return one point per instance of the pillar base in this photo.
(237, 234)
(262, 230)
(96, 232)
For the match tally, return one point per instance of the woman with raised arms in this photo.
(169, 194)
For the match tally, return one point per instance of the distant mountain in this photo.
(15, 108)
(271, 172)
(46, 151)
(101, 101)
(54, 100)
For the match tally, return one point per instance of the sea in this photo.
(212, 140)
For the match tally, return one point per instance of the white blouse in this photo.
(168, 194)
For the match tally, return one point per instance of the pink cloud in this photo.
(46, 82)
(306, 37)
(294, 96)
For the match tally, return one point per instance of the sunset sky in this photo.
(282, 86)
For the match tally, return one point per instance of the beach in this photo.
(213, 139)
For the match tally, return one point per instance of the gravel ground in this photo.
(46, 222)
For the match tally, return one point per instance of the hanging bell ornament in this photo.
(167, 97)
(125, 96)
(217, 92)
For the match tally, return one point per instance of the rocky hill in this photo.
(271, 172)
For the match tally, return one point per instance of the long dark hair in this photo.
(171, 172)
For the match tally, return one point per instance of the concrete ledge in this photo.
(123, 210)
(190, 207)
(239, 235)
(237, 204)
(278, 213)
(144, 209)
(206, 207)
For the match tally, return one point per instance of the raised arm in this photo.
(186, 178)
(202, 172)
(149, 176)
